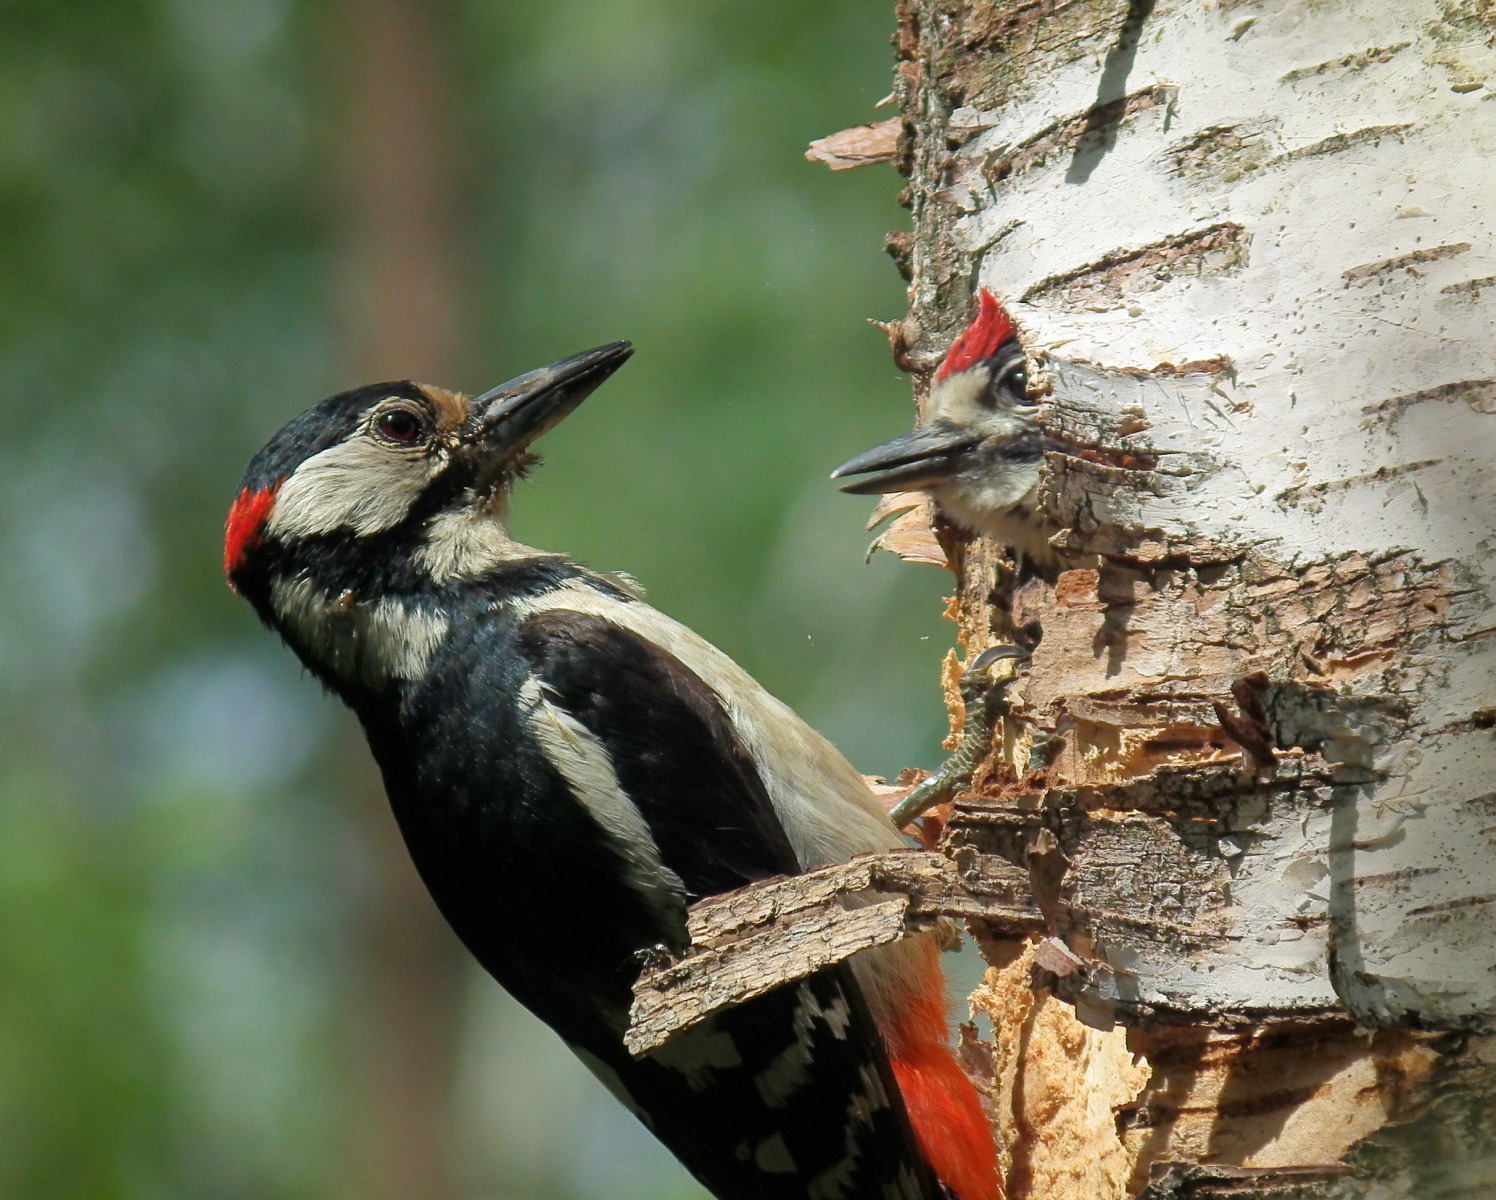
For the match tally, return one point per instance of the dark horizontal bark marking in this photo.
(1471, 286)
(1219, 249)
(1380, 475)
(1401, 261)
(1402, 876)
(1063, 136)
(1221, 153)
(1450, 905)
(1345, 141)
(1479, 394)
(1362, 58)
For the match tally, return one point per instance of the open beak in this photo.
(505, 420)
(919, 459)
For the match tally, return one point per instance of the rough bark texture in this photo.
(1250, 245)
(1231, 860)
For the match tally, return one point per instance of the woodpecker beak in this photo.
(503, 421)
(920, 459)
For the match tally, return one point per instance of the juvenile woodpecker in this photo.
(980, 448)
(570, 769)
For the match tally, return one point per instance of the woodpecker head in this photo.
(356, 513)
(980, 448)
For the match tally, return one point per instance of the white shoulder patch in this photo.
(824, 805)
(588, 771)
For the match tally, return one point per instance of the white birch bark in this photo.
(1253, 244)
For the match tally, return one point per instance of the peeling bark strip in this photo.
(1348, 62)
(686, 993)
(1247, 775)
(750, 941)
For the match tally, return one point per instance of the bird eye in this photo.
(399, 425)
(1010, 386)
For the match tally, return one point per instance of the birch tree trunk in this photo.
(1251, 245)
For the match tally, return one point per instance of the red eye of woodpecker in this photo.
(400, 426)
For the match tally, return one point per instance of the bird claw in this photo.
(977, 692)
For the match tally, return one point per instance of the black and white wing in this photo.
(789, 1096)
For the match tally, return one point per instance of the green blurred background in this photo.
(217, 977)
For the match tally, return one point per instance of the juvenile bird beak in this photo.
(919, 459)
(506, 419)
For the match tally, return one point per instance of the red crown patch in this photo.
(981, 339)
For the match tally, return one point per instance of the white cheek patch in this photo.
(961, 400)
(358, 485)
(958, 399)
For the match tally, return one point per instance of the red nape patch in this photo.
(246, 522)
(983, 336)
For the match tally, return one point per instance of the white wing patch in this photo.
(371, 643)
(833, 1182)
(790, 1069)
(822, 802)
(698, 1053)
(773, 1157)
(588, 771)
(357, 484)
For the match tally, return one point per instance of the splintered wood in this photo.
(911, 535)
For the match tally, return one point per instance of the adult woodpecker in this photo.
(979, 451)
(571, 768)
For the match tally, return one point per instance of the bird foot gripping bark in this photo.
(985, 699)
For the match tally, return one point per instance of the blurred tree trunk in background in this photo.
(402, 296)
(1250, 245)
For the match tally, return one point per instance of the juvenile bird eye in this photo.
(399, 426)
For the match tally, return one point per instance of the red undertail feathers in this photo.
(949, 1123)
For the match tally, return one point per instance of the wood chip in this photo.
(912, 538)
(864, 146)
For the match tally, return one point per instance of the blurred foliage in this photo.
(179, 865)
